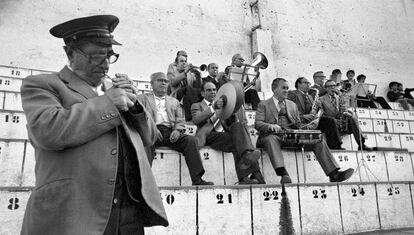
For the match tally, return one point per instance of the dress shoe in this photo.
(248, 158)
(340, 176)
(285, 179)
(202, 182)
(364, 147)
(247, 180)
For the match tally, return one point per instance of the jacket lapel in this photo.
(151, 100)
(273, 109)
(301, 101)
(76, 84)
(169, 109)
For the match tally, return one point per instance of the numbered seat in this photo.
(395, 114)
(144, 86)
(13, 205)
(388, 140)
(224, 210)
(347, 142)
(409, 115)
(190, 129)
(411, 124)
(312, 171)
(399, 166)
(371, 166)
(319, 206)
(407, 142)
(13, 101)
(359, 207)
(166, 167)
(347, 159)
(250, 116)
(10, 84)
(291, 164)
(394, 204)
(401, 126)
(213, 164)
(366, 124)
(361, 112)
(378, 113)
(395, 106)
(11, 161)
(181, 208)
(382, 126)
(267, 209)
(13, 125)
(13, 72)
(370, 141)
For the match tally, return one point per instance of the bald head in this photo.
(237, 60)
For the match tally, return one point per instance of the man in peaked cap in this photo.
(92, 172)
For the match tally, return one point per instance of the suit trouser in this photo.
(236, 141)
(272, 145)
(355, 130)
(327, 125)
(187, 145)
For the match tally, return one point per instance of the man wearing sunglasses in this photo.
(92, 171)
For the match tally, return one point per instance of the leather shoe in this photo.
(340, 176)
(247, 180)
(249, 158)
(285, 179)
(364, 147)
(202, 182)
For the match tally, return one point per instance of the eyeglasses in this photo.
(98, 59)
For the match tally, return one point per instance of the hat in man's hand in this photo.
(96, 28)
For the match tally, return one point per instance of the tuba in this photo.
(241, 74)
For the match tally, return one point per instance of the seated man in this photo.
(318, 80)
(367, 101)
(334, 106)
(396, 94)
(304, 103)
(278, 113)
(168, 116)
(228, 136)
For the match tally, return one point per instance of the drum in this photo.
(301, 137)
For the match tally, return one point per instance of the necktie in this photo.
(333, 100)
(217, 125)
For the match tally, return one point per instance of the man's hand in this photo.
(175, 134)
(348, 113)
(124, 82)
(275, 128)
(120, 98)
(159, 135)
(187, 67)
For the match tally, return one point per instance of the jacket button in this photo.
(115, 200)
(114, 151)
(108, 116)
(103, 117)
(113, 114)
(110, 181)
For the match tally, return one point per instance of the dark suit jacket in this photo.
(174, 110)
(299, 99)
(75, 136)
(201, 113)
(267, 114)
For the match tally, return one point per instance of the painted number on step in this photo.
(399, 158)
(370, 158)
(321, 193)
(343, 158)
(221, 199)
(359, 190)
(387, 138)
(13, 203)
(206, 156)
(393, 191)
(310, 157)
(273, 195)
(170, 199)
(409, 138)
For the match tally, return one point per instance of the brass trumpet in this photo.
(202, 67)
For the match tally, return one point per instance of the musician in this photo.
(350, 75)
(250, 97)
(177, 74)
(304, 103)
(212, 69)
(192, 91)
(367, 101)
(168, 115)
(318, 80)
(396, 94)
(278, 113)
(334, 106)
(89, 137)
(228, 135)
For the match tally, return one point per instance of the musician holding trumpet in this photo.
(277, 114)
(89, 135)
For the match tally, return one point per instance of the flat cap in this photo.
(96, 28)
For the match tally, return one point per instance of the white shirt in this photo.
(276, 101)
(217, 125)
(162, 116)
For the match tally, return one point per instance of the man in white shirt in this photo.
(168, 115)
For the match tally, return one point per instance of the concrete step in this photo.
(314, 208)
